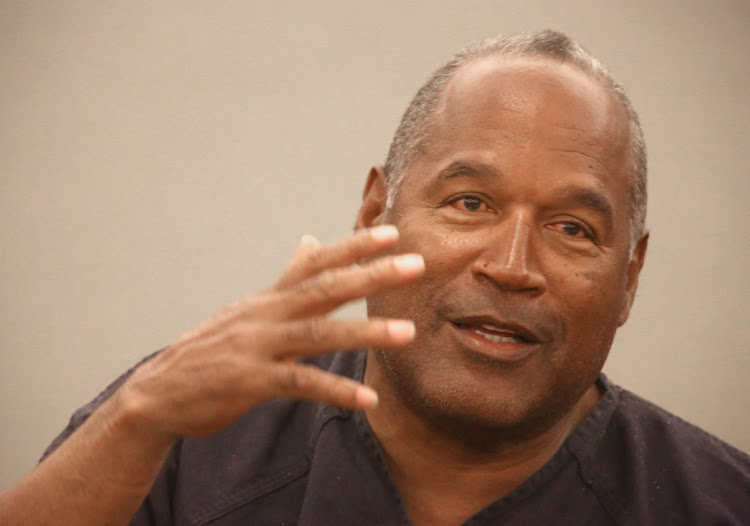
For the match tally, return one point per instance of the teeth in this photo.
(495, 338)
(491, 328)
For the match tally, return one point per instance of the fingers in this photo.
(245, 355)
(313, 336)
(313, 258)
(307, 382)
(330, 289)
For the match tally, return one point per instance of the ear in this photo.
(374, 198)
(634, 271)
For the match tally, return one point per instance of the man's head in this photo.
(519, 195)
(417, 120)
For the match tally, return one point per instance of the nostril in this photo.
(509, 278)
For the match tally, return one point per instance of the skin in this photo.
(518, 205)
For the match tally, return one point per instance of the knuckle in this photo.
(241, 334)
(316, 331)
(297, 333)
(350, 331)
(258, 303)
(271, 305)
(381, 269)
(310, 331)
(292, 379)
(315, 258)
(320, 288)
(360, 244)
(235, 336)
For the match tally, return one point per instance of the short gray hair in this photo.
(417, 121)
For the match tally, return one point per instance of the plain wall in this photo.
(161, 159)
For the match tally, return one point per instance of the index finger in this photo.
(363, 243)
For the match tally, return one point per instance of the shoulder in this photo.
(655, 424)
(662, 466)
(83, 413)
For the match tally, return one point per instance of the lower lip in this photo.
(501, 352)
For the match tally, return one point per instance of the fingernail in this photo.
(367, 398)
(402, 330)
(309, 240)
(384, 232)
(409, 262)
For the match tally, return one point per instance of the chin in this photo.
(471, 407)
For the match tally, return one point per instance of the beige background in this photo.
(160, 159)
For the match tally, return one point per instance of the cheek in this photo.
(444, 251)
(447, 260)
(591, 277)
(589, 300)
(593, 296)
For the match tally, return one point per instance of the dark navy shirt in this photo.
(287, 463)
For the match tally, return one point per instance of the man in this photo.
(499, 250)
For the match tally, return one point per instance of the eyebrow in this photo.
(461, 168)
(591, 199)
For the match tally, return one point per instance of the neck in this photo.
(428, 464)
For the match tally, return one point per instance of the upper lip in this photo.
(503, 325)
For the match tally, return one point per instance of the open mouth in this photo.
(497, 331)
(493, 333)
(498, 340)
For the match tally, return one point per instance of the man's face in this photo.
(518, 203)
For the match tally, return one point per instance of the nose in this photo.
(508, 259)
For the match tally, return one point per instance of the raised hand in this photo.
(245, 354)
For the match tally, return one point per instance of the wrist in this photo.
(129, 415)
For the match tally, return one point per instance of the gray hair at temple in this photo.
(417, 120)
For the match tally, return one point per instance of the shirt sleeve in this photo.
(156, 509)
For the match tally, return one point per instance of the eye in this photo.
(572, 229)
(470, 204)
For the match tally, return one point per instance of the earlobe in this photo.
(633, 273)
(374, 197)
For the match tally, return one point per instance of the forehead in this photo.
(533, 101)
